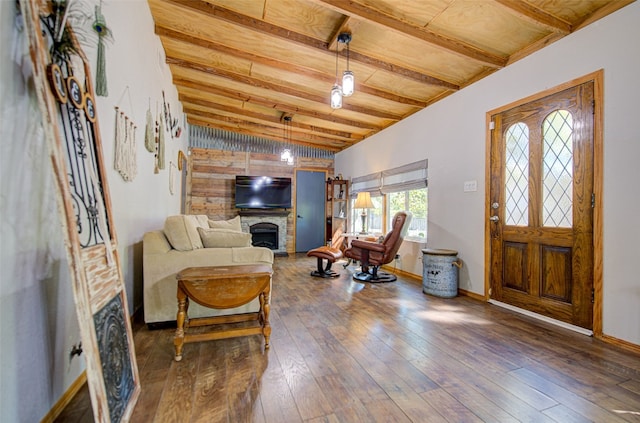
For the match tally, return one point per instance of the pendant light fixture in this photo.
(336, 91)
(286, 155)
(348, 79)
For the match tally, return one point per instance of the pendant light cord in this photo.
(336, 64)
(347, 56)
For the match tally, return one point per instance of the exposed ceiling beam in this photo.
(345, 25)
(292, 36)
(279, 88)
(360, 11)
(600, 13)
(263, 129)
(187, 99)
(536, 15)
(278, 105)
(289, 67)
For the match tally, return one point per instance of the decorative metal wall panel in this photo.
(114, 355)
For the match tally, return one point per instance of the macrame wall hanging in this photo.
(125, 154)
(125, 158)
(103, 32)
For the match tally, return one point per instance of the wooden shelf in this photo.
(337, 194)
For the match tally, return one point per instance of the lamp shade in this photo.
(363, 201)
(348, 83)
(336, 97)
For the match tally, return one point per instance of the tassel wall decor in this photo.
(149, 140)
(125, 147)
(100, 27)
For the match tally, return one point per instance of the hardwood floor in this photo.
(343, 351)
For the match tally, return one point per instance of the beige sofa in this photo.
(192, 241)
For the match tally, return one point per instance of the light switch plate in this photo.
(470, 186)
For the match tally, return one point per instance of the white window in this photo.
(374, 218)
(373, 222)
(406, 190)
(415, 201)
(400, 189)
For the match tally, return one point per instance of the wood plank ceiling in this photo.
(245, 65)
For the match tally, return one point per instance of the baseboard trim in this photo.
(65, 399)
(401, 272)
(470, 294)
(546, 319)
(626, 345)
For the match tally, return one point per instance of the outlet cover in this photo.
(470, 186)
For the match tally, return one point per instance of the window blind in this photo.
(370, 183)
(405, 178)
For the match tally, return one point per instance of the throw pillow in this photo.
(181, 231)
(203, 220)
(230, 225)
(221, 238)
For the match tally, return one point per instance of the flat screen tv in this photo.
(263, 192)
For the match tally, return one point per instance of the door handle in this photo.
(299, 217)
(494, 218)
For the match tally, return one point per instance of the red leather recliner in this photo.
(372, 254)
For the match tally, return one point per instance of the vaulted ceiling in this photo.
(245, 66)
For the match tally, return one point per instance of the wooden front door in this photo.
(541, 206)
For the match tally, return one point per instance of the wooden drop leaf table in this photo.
(223, 287)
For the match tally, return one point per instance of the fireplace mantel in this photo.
(263, 212)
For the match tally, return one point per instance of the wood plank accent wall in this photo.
(211, 178)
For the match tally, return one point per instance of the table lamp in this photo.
(363, 201)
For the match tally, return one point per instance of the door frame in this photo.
(597, 77)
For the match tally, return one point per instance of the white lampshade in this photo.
(336, 97)
(348, 83)
(286, 156)
(363, 201)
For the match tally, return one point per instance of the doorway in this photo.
(310, 193)
(542, 204)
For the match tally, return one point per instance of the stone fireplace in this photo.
(264, 234)
(268, 229)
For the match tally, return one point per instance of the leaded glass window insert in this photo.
(517, 175)
(557, 170)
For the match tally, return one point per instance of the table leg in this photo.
(265, 308)
(178, 340)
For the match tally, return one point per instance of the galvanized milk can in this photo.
(440, 273)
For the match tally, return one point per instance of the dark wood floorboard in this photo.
(343, 351)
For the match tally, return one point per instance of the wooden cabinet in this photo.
(336, 207)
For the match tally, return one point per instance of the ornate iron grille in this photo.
(79, 133)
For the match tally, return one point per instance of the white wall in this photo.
(38, 323)
(451, 134)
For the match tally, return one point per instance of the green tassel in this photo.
(100, 26)
(101, 71)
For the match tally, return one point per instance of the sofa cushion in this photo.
(182, 232)
(231, 224)
(203, 220)
(155, 242)
(222, 238)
